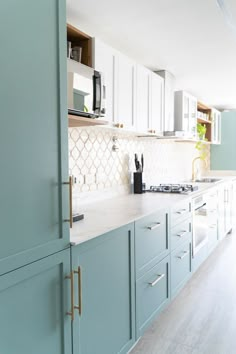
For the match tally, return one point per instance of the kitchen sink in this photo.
(208, 180)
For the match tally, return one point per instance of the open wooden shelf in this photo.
(205, 109)
(80, 39)
(203, 121)
(192, 141)
(77, 121)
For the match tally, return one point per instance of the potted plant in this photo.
(201, 131)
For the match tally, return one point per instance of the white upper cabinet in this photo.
(168, 103)
(124, 91)
(186, 113)
(215, 126)
(143, 85)
(104, 61)
(157, 104)
(134, 94)
(150, 101)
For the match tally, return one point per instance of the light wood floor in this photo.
(202, 318)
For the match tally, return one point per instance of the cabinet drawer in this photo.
(180, 267)
(212, 200)
(212, 215)
(180, 233)
(151, 241)
(152, 293)
(180, 212)
(212, 236)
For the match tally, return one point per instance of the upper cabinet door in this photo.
(186, 113)
(143, 99)
(33, 134)
(125, 72)
(193, 115)
(104, 61)
(157, 103)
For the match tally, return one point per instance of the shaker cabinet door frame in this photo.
(34, 301)
(34, 130)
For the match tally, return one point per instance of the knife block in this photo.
(138, 182)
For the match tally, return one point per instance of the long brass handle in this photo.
(70, 220)
(160, 276)
(153, 227)
(79, 307)
(71, 313)
(182, 234)
(184, 255)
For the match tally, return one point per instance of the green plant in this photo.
(200, 146)
(201, 130)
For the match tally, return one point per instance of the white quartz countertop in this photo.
(109, 214)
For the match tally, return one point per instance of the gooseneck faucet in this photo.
(193, 166)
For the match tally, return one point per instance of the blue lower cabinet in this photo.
(151, 241)
(34, 300)
(180, 267)
(152, 294)
(104, 293)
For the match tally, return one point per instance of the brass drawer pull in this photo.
(79, 307)
(182, 211)
(70, 220)
(182, 234)
(71, 313)
(184, 255)
(160, 276)
(153, 227)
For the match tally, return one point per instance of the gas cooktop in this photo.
(173, 188)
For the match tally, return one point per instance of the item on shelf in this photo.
(69, 49)
(76, 54)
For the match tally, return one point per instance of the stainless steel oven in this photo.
(200, 223)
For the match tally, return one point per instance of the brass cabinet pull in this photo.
(79, 307)
(71, 313)
(153, 227)
(182, 234)
(159, 277)
(119, 125)
(70, 220)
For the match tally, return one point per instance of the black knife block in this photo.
(138, 182)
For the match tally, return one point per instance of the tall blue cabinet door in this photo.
(104, 293)
(223, 155)
(33, 133)
(34, 300)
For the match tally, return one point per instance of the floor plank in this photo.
(202, 318)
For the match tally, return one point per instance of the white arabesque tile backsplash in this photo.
(102, 172)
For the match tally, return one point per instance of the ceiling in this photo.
(190, 38)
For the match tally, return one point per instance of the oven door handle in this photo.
(201, 206)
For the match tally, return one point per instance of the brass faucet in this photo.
(193, 166)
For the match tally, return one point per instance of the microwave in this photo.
(86, 91)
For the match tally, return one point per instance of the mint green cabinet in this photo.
(34, 300)
(151, 241)
(180, 266)
(33, 134)
(152, 294)
(104, 292)
(223, 155)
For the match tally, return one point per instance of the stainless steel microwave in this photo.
(86, 91)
